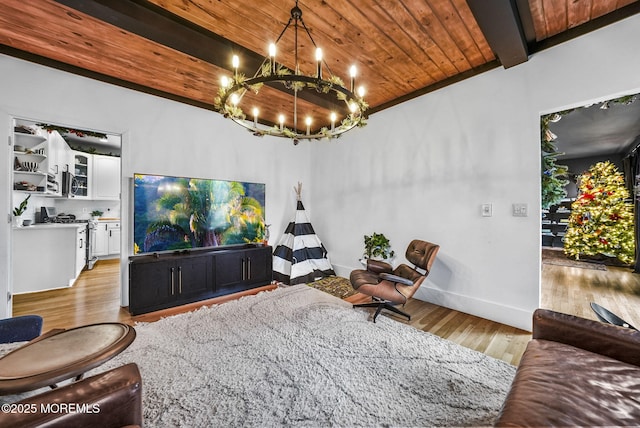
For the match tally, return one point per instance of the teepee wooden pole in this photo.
(298, 190)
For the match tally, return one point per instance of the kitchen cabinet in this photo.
(29, 152)
(106, 177)
(163, 280)
(81, 249)
(106, 238)
(100, 240)
(82, 164)
(47, 256)
(113, 240)
(59, 159)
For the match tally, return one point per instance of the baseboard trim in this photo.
(508, 315)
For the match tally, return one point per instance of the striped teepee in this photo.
(299, 256)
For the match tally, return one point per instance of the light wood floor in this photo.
(96, 298)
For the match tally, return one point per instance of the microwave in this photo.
(69, 185)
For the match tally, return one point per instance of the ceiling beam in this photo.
(500, 23)
(158, 25)
(589, 26)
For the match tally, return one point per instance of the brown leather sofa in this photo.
(106, 400)
(575, 372)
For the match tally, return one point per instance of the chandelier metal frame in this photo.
(273, 73)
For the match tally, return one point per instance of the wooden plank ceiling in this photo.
(179, 49)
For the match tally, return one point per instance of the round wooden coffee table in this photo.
(63, 355)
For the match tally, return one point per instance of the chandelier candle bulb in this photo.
(235, 62)
(352, 72)
(330, 98)
(319, 61)
(272, 55)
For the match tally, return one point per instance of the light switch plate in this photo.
(520, 210)
(487, 210)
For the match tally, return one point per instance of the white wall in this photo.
(159, 136)
(418, 170)
(422, 170)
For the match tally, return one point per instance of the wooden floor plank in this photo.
(96, 298)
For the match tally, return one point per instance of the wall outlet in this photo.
(487, 210)
(520, 210)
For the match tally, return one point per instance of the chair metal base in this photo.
(606, 316)
(380, 305)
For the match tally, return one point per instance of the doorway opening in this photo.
(590, 178)
(66, 218)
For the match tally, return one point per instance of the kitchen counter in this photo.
(40, 226)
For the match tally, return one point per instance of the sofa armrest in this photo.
(377, 266)
(109, 399)
(622, 344)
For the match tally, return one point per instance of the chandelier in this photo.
(309, 98)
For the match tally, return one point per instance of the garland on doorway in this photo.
(554, 176)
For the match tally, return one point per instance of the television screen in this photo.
(176, 213)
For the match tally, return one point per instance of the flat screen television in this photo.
(177, 213)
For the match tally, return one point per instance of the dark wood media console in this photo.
(168, 279)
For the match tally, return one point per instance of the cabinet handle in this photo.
(81, 243)
(180, 280)
(173, 285)
(248, 267)
(109, 234)
(244, 270)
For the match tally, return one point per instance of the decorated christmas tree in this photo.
(601, 219)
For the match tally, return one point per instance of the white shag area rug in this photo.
(297, 356)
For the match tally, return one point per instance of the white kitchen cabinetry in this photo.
(101, 240)
(81, 249)
(83, 163)
(29, 150)
(47, 256)
(114, 238)
(106, 177)
(59, 159)
(107, 238)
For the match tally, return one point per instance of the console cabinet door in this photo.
(166, 283)
(195, 277)
(242, 268)
(230, 268)
(259, 265)
(150, 286)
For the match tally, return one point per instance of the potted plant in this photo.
(96, 214)
(377, 246)
(19, 210)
